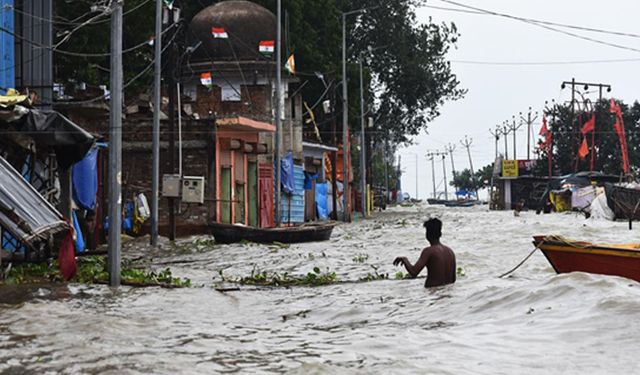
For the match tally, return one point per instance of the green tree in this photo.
(480, 180)
(567, 138)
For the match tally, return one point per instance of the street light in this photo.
(345, 111)
(363, 151)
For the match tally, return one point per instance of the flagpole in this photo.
(278, 111)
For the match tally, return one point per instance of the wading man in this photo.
(438, 258)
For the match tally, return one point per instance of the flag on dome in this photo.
(206, 80)
(219, 33)
(267, 47)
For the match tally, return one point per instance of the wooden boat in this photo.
(577, 256)
(436, 201)
(624, 202)
(310, 232)
(465, 203)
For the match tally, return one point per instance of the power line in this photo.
(480, 11)
(545, 25)
(75, 54)
(129, 83)
(544, 63)
(72, 23)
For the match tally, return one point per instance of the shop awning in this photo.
(240, 123)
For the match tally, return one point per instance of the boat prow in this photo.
(579, 256)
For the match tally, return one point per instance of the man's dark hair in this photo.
(434, 229)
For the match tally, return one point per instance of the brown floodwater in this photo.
(534, 322)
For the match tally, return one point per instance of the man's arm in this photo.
(414, 269)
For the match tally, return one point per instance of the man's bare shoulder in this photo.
(439, 248)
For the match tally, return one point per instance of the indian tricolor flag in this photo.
(205, 79)
(219, 33)
(290, 65)
(267, 47)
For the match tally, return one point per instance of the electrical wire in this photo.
(76, 54)
(546, 25)
(127, 12)
(544, 63)
(129, 83)
(479, 11)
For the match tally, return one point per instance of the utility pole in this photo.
(573, 83)
(444, 173)
(514, 128)
(345, 122)
(386, 173)
(450, 149)
(279, 113)
(431, 157)
(496, 136)
(171, 81)
(363, 149)
(505, 132)
(529, 121)
(155, 181)
(334, 157)
(467, 144)
(115, 145)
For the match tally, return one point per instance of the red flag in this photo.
(584, 148)
(548, 136)
(590, 125)
(619, 128)
(544, 130)
(67, 257)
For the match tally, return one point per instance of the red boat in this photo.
(577, 256)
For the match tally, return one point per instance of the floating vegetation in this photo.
(361, 258)
(375, 275)
(402, 276)
(199, 245)
(461, 272)
(93, 270)
(264, 278)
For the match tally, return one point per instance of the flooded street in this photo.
(534, 322)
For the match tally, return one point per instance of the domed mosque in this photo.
(246, 25)
(230, 77)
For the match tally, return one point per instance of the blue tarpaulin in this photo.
(286, 174)
(322, 201)
(308, 180)
(80, 246)
(85, 180)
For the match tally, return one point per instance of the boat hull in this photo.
(226, 233)
(615, 260)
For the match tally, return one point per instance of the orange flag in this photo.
(590, 125)
(584, 148)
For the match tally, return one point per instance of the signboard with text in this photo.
(509, 168)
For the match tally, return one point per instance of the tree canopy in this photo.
(406, 71)
(604, 144)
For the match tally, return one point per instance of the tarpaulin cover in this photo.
(23, 211)
(308, 179)
(582, 197)
(286, 174)
(85, 180)
(51, 129)
(69, 141)
(79, 240)
(322, 201)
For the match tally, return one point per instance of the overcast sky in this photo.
(497, 92)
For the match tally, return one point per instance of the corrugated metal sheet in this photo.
(7, 47)
(294, 204)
